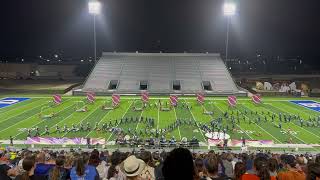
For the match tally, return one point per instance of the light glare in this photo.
(94, 7)
(229, 9)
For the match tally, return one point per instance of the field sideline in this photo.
(14, 118)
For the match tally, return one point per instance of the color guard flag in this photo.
(232, 101)
(91, 97)
(256, 99)
(145, 96)
(173, 100)
(200, 98)
(57, 99)
(115, 99)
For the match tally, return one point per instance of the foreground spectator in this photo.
(59, 172)
(179, 165)
(28, 166)
(260, 170)
(148, 171)
(239, 170)
(293, 172)
(212, 166)
(6, 171)
(132, 168)
(83, 171)
(113, 172)
(42, 168)
(313, 171)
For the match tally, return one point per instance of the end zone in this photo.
(5, 102)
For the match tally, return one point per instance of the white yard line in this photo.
(83, 119)
(175, 114)
(21, 113)
(139, 119)
(194, 119)
(236, 124)
(158, 117)
(264, 130)
(121, 118)
(295, 124)
(98, 123)
(42, 121)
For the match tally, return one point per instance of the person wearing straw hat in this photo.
(132, 168)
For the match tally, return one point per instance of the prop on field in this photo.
(138, 105)
(293, 86)
(232, 101)
(46, 115)
(267, 86)
(208, 110)
(56, 100)
(80, 106)
(200, 98)
(164, 106)
(256, 99)
(276, 86)
(259, 85)
(113, 103)
(145, 96)
(173, 100)
(91, 97)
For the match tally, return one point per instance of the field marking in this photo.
(99, 122)
(158, 117)
(236, 124)
(295, 124)
(15, 108)
(175, 114)
(20, 114)
(263, 129)
(22, 120)
(194, 119)
(42, 121)
(139, 119)
(83, 119)
(121, 118)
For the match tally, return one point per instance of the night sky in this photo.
(268, 27)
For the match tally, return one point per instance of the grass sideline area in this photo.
(15, 118)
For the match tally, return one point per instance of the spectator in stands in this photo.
(158, 169)
(227, 164)
(42, 168)
(273, 167)
(29, 165)
(212, 166)
(239, 170)
(148, 171)
(179, 165)
(198, 163)
(5, 170)
(260, 170)
(302, 162)
(113, 171)
(313, 171)
(24, 154)
(82, 170)
(293, 171)
(317, 160)
(59, 172)
(132, 168)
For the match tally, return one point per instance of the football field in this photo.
(299, 120)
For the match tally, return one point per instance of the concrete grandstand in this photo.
(160, 73)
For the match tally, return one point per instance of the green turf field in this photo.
(16, 118)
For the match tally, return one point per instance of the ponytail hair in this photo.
(81, 164)
(313, 171)
(56, 170)
(115, 160)
(261, 165)
(27, 164)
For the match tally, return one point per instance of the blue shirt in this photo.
(90, 173)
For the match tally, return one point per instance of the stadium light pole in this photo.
(229, 10)
(94, 9)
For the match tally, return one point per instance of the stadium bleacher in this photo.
(164, 73)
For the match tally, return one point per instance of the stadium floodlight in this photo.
(94, 7)
(56, 56)
(229, 9)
